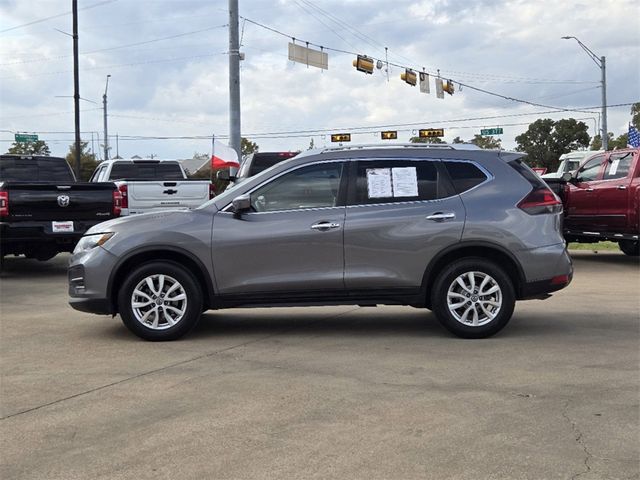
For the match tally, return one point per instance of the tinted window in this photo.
(591, 169)
(464, 175)
(35, 170)
(528, 174)
(309, 187)
(146, 171)
(261, 161)
(618, 165)
(386, 181)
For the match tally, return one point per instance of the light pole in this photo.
(601, 63)
(104, 112)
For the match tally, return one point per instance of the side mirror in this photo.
(566, 177)
(224, 175)
(241, 204)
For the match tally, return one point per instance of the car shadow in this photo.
(608, 258)
(22, 267)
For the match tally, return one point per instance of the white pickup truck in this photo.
(150, 185)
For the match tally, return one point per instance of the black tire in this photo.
(630, 247)
(506, 295)
(173, 273)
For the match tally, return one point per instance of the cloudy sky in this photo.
(168, 65)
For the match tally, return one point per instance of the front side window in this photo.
(618, 166)
(315, 186)
(591, 169)
(392, 181)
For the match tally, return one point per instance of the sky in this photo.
(169, 70)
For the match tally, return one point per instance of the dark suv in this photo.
(463, 232)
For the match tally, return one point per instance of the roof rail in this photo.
(435, 146)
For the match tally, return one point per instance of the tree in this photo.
(88, 161)
(620, 142)
(39, 147)
(545, 140)
(426, 140)
(247, 146)
(458, 140)
(635, 115)
(489, 143)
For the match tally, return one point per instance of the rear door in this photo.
(612, 192)
(401, 212)
(292, 240)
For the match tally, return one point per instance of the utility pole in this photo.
(104, 112)
(602, 64)
(76, 86)
(234, 78)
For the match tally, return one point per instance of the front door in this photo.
(582, 211)
(291, 240)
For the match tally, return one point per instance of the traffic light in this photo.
(341, 137)
(389, 135)
(431, 132)
(448, 87)
(364, 64)
(410, 77)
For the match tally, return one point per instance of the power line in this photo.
(170, 37)
(55, 16)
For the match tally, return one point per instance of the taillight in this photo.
(540, 200)
(117, 203)
(4, 204)
(212, 190)
(124, 201)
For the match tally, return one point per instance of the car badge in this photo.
(63, 200)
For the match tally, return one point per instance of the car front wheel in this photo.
(473, 298)
(160, 301)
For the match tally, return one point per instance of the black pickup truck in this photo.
(43, 210)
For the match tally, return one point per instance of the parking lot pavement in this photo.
(333, 392)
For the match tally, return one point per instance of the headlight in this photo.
(92, 241)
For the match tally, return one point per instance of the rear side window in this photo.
(464, 175)
(618, 166)
(35, 170)
(146, 171)
(391, 181)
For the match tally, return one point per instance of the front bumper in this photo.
(89, 274)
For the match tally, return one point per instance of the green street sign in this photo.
(491, 131)
(25, 138)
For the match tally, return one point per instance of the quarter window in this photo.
(315, 186)
(464, 175)
(391, 181)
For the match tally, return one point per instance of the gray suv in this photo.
(462, 232)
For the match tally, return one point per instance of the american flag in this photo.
(633, 137)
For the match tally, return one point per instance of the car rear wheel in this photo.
(160, 301)
(630, 247)
(473, 298)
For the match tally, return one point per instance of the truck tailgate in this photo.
(147, 195)
(70, 202)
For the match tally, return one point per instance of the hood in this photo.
(141, 221)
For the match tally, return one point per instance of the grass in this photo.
(599, 246)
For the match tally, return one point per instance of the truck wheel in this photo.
(473, 298)
(160, 301)
(629, 247)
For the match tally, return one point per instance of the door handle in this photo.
(589, 189)
(324, 226)
(622, 187)
(440, 216)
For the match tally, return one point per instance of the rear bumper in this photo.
(542, 288)
(547, 269)
(20, 237)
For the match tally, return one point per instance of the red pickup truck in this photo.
(602, 200)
